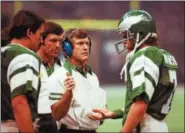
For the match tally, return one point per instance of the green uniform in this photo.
(22, 68)
(151, 76)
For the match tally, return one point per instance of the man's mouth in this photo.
(84, 53)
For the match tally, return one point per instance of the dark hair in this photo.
(51, 27)
(23, 21)
(152, 41)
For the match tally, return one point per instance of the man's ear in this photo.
(41, 39)
(29, 33)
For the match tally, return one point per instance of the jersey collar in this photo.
(71, 67)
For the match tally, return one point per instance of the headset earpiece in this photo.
(67, 47)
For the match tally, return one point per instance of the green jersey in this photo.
(151, 76)
(22, 68)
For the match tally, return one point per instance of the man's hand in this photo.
(101, 114)
(69, 82)
(60, 108)
(36, 125)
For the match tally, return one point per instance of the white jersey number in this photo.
(173, 79)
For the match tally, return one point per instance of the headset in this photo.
(67, 46)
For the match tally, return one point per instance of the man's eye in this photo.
(80, 43)
(124, 37)
(54, 40)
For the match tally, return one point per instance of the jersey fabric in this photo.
(21, 68)
(45, 72)
(46, 122)
(87, 95)
(151, 76)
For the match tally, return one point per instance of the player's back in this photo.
(160, 68)
(161, 100)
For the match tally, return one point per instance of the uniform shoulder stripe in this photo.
(22, 89)
(143, 62)
(22, 61)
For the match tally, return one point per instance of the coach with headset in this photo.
(75, 89)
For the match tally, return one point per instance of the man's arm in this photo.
(22, 114)
(61, 108)
(135, 115)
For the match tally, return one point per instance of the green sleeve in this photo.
(118, 114)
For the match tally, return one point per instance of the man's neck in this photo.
(45, 58)
(77, 63)
(143, 46)
(23, 42)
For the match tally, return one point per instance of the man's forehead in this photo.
(52, 35)
(61, 35)
(80, 39)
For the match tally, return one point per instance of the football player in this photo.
(150, 75)
(20, 73)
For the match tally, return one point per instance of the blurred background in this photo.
(100, 19)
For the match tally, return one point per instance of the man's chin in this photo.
(84, 59)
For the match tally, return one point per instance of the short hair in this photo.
(22, 21)
(51, 27)
(78, 33)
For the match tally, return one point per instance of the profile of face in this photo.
(128, 43)
(35, 38)
(52, 46)
(81, 48)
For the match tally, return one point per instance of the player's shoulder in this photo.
(165, 52)
(168, 59)
(151, 53)
(17, 50)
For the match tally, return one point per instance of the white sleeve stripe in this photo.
(21, 61)
(17, 81)
(149, 66)
(5, 48)
(138, 80)
(22, 78)
(149, 88)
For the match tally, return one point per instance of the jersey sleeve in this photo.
(144, 74)
(23, 74)
(118, 113)
(55, 86)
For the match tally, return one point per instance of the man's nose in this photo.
(58, 45)
(85, 46)
(124, 42)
